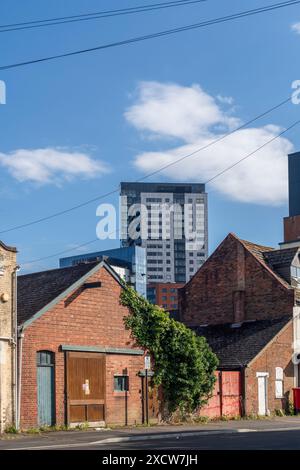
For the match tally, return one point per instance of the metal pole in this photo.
(147, 410)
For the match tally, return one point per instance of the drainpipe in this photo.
(14, 334)
(243, 380)
(19, 375)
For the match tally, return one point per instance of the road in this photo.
(271, 433)
(243, 439)
(285, 440)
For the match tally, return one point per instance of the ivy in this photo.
(183, 363)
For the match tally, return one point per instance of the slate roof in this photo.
(237, 346)
(37, 290)
(257, 250)
(282, 257)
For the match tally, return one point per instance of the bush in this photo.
(11, 430)
(290, 410)
(183, 363)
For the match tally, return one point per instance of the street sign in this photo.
(147, 363)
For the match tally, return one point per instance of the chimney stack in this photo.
(292, 223)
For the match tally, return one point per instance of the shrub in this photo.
(183, 363)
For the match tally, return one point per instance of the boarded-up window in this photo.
(278, 382)
(121, 383)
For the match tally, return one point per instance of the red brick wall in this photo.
(291, 228)
(233, 286)
(277, 354)
(165, 298)
(94, 318)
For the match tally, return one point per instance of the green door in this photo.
(45, 388)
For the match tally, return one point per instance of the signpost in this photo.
(147, 367)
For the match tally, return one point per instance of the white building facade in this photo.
(170, 221)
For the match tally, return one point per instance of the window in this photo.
(45, 358)
(121, 383)
(164, 289)
(295, 271)
(278, 382)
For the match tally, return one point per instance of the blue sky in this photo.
(77, 106)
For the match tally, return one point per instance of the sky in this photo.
(74, 128)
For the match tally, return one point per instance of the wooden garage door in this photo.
(85, 387)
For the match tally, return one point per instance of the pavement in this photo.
(279, 432)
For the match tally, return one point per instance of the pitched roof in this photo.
(257, 250)
(37, 290)
(263, 254)
(237, 346)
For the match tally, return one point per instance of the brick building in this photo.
(79, 363)
(165, 295)
(244, 300)
(8, 329)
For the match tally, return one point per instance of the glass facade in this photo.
(132, 259)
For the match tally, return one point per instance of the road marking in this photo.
(247, 430)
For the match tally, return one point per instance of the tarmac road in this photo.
(283, 433)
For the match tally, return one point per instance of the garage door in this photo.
(85, 388)
(226, 399)
(231, 393)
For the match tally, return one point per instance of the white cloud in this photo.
(261, 179)
(296, 27)
(51, 165)
(171, 110)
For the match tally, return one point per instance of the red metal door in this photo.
(231, 393)
(213, 407)
(226, 397)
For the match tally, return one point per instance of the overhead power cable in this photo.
(96, 15)
(294, 124)
(159, 170)
(167, 32)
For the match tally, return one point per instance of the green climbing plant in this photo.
(183, 362)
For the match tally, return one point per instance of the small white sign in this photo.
(147, 362)
(86, 387)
